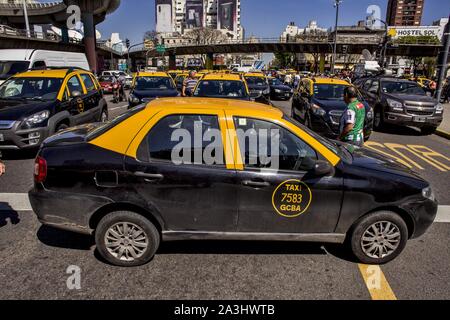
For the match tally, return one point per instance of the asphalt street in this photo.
(35, 260)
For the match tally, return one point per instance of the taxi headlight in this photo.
(428, 193)
(318, 111)
(395, 105)
(267, 91)
(439, 108)
(37, 118)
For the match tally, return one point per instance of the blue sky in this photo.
(263, 18)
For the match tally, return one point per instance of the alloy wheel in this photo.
(381, 239)
(126, 241)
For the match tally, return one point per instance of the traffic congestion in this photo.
(173, 180)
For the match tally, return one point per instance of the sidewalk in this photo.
(444, 129)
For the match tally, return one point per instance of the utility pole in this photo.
(25, 13)
(337, 3)
(442, 61)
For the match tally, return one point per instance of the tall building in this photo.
(405, 12)
(180, 16)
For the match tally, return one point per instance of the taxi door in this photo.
(191, 185)
(284, 195)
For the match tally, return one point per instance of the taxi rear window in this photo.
(109, 125)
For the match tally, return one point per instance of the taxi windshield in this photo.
(10, 68)
(396, 87)
(221, 89)
(275, 82)
(255, 81)
(329, 91)
(31, 88)
(153, 83)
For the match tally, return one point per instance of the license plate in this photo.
(2, 138)
(420, 119)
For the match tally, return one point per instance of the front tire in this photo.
(379, 238)
(126, 239)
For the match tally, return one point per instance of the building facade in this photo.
(405, 12)
(181, 16)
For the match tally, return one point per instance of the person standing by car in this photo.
(353, 119)
(2, 166)
(189, 84)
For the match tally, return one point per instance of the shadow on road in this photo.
(64, 239)
(240, 247)
(401, 131)
(19, 154)
(8, 214)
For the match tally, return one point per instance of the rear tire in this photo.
(126, 239)
(379, 237)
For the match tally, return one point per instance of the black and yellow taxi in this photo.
(258, 84)
(179, 79)
(222, 85)
(38, 103)
(196, 168)
(147, 86)
(173, 73)
(319, 104)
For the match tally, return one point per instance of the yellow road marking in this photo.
(376, 283)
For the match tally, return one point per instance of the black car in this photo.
(319, 104)
(258, 86)
(279, 91)
(149, 86)
(36, 104)
(174, 174)
(401, 102)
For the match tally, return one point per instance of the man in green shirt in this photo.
(353, 119)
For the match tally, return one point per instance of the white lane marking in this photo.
(15, 202)
(120, 107)
(20, 202)
(443, 215)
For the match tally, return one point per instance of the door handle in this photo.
(149, 177)
(256, 184)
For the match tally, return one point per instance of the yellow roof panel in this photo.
(55, 73)
(152, 74)
(222, 76)
(330, 81)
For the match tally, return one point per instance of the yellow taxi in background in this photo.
(148, 86)
(222, 85)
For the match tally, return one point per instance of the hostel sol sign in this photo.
(292, 198)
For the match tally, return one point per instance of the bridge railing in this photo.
(9, 32)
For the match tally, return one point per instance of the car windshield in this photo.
(10, 68)
(221, 89)
(31, 88)
(153, 83)
(179, 80)
(275, 82)
(329, 91)
(255, 81)
(398, 87)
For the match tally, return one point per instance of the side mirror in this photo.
(76, 94)
(255, 95)
(323, 168)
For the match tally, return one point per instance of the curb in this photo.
(443, 134)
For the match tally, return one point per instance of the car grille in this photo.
(6, 124)
(336, 116)
(420, 110)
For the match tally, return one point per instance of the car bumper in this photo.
(330, 129)
(51, 208)
(281, 96)
(413, 121)
(17, 139)
(424, 213)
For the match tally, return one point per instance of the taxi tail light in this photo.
(40, 170)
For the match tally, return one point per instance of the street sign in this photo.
(149, 44)
(160, 48)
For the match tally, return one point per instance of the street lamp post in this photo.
(337, 3)
(27, 22)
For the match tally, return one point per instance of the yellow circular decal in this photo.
(80, 104)
(292, 198)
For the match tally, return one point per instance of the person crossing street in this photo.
(353, 119)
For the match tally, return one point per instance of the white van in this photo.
(13, 61)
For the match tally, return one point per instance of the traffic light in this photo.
(127, 43)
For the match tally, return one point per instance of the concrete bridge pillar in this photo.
(209, 64)
(172, 62)
(322, 63)
(90, 39)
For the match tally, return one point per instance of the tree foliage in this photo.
(205, 36)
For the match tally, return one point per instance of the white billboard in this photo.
(431, 31)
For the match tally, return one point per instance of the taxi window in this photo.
(88, 83)
(74, 85)
(184, 140)
(261, 141)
